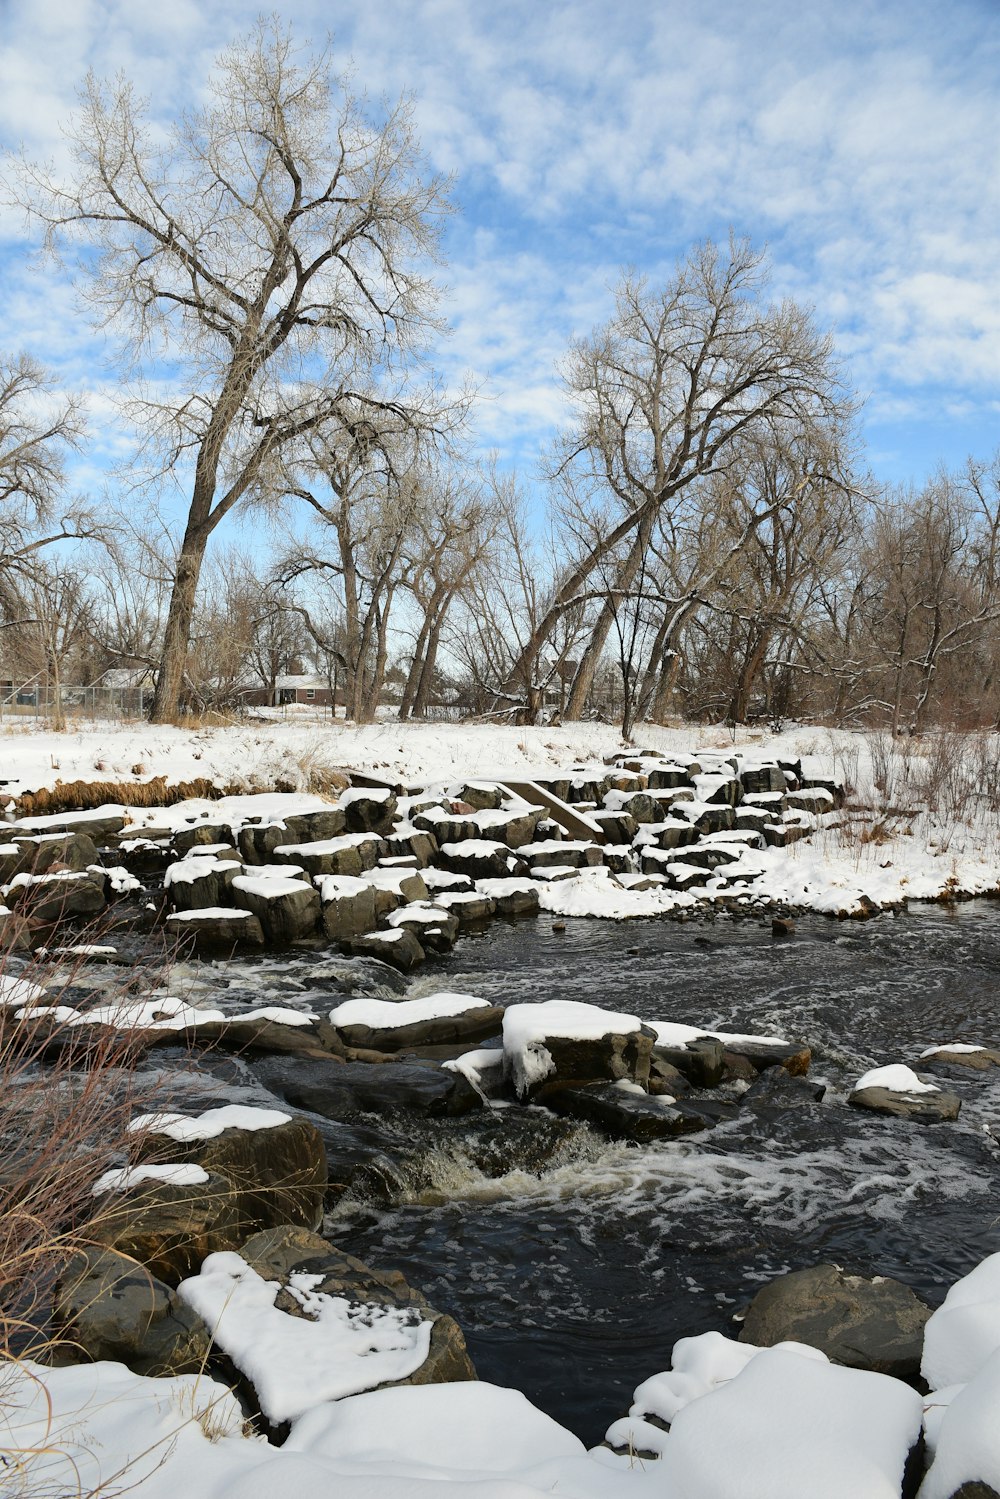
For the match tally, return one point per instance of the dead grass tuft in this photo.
(84, 796)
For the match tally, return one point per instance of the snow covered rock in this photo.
(511, 897)
(875, 1324)
(964, 1333)
(287, 909)
(56, 896)
(387, 1025)
(398, 948)
(200, 834)
(787, 1425)
(898, 1092)
(348, 854)
(275, 1162)
(560, 1042)
(434, 928)
(305, 1323)
(961, 1054)
(348, 906)
(197, 883)
(216, 929)
(482, 859)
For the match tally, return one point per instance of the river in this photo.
(573, 1275)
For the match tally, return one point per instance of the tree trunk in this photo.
(177, 634)
(422, 699)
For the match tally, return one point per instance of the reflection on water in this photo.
(574, 1274)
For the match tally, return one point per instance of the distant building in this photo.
(290, 688)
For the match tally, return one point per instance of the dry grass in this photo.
(66, 1097)
(84, 796)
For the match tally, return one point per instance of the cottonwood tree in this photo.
(449, 540)
(662, 394)
(363, 487)
(38, 430)
(271, 248)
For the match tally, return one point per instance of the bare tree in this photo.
(272, 246)
(38, 429)
(450, 538)
(663, 393)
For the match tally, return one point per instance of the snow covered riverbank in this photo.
(921, 822)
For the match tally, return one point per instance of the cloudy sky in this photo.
(859, 141)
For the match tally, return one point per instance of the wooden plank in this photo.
(578, 824)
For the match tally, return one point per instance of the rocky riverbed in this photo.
(537, 1153)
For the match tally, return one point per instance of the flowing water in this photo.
(573, 1264)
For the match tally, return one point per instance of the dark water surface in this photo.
(572, 1281)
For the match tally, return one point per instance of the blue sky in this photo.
(859, 141)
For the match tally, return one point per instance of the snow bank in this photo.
(436, 1431)
(789, 1424)
(967, 1447)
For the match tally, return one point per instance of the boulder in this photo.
(287, 909)
(418, 845)
(922, 1108)
(399, 948)
(481, 859)
(550, 1045)
(701, 1061)
(554, 851)
(198, 883)
(278, 1172)
(167, 1226)
(512, 897)
(434, 928)
(875, 1324)
(790, 1055)
(465, 1025)
(468, 906)
(57, 896)
(216, 930)
(348, 906)
(774, 1088)
(359, 1088)
(349, 854)
(627, 1113)
(74, 851)
(108, 1307)
(763, 778)
(282, 1252)
(202, 833)
(369, 810)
